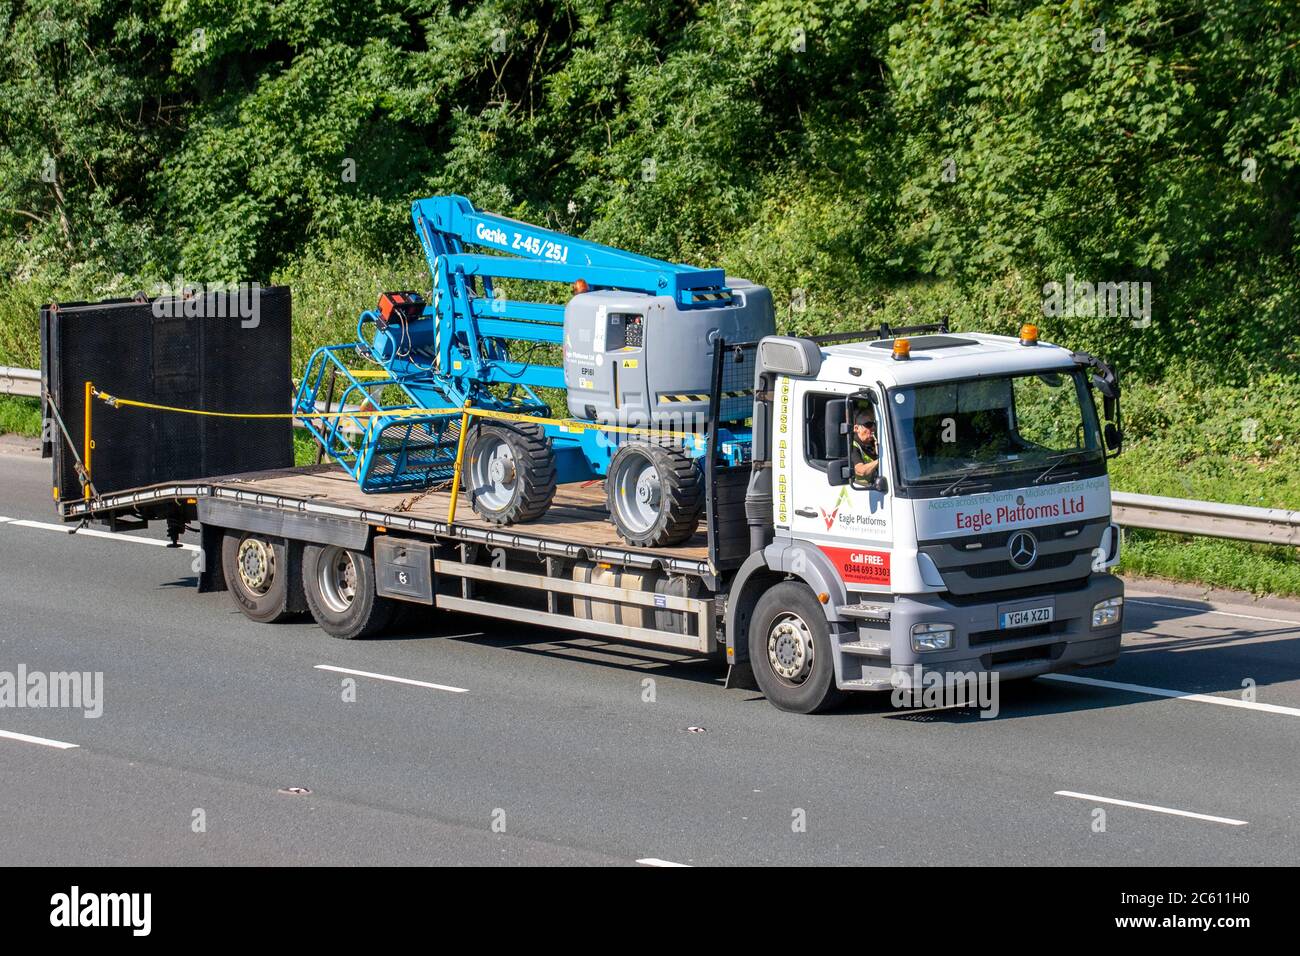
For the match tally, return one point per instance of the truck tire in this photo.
(510, 473)
(257, 572)
(790, 650)
(340, 587)
(655, 494)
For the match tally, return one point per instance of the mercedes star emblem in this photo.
(1023, 549)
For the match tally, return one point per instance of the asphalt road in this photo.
(552, 754)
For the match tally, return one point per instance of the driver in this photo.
(865, 454)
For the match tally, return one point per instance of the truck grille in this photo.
(994, 569)
(1023, 655)
(980, 563)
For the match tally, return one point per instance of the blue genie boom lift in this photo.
(635, 344)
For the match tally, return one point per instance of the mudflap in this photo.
(740, 676)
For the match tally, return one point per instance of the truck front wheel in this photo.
(790, 650)
(340, 586)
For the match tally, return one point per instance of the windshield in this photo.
(996, 426)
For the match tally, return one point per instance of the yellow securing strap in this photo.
(566, 424)
(117, 402)
(572, 425)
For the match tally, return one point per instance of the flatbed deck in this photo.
(575, 526)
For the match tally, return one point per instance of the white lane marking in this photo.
(389, 677)
(654, 861)
(1176, 694)
(1210, 610)
(43, 741)
(1147, 806)
(92, 533)
(4, 520)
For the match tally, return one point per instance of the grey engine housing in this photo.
(637, 359)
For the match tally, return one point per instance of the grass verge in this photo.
(1212, 562)
(20, 416)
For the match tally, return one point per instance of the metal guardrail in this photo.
(1209, 518)
(1151, 512)
(20, 381)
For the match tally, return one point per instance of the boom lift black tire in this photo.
(789, 624)
(257, 573)
(509, 472)
(340, 588)
(655, 494)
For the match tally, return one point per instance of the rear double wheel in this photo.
(340, 590)
(259, 577)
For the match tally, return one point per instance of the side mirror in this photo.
(1106, 387)
(837, 472)
(879, 484)
(1106, 382)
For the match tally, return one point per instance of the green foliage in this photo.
(304, 447)
(334, 283)
(864, 158)
(20, 306)
(20, 416)
(1192, 436)
(869, 160)
(86, 117)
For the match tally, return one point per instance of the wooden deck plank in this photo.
(577, 515)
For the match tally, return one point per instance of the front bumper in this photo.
(978, 645)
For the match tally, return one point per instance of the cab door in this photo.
(847, 519)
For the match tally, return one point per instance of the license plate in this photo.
(1026, 617)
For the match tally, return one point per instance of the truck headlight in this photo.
(1107, 612)
(931, 637)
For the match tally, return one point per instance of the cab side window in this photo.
(825, 436)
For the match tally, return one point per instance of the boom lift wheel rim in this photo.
(337, 578)
(790, 648)
(493, 472)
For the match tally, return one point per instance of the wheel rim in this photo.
(256, 563)
(638, 492)
(336, 575)
(493, 472)
(790, 648)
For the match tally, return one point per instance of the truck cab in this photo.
(929, 505)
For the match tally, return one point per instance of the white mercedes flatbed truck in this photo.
(980, 541)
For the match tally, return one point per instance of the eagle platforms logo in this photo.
(829, 517)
